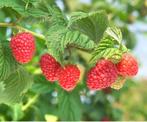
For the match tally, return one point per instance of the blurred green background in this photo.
(129, 103)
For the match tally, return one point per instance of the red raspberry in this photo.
(69, 77)
(128, 65)
(23, 47)
(50, 67)
(102, 75)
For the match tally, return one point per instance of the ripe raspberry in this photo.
(128, 65)
(69, 77)
(102, 75)
(23, 47)
(50, 67)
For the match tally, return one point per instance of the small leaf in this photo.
(92, 24)
(115, 33)
(106, 49)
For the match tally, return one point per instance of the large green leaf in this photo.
(21, 7)
(2, 86)
(69, 106)
(41, 85)
(15, 86)
(115, 33)
(92, 24)
(7, 62)
(59, 38)
(14, 80)
(77, 39)
(57, 17)
(14, 4)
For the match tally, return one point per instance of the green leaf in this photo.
(108, 50)
(7, 62)
(59, 38)
(20, 7)
(76, 39)
(15, 86)
(17, 112)
(115, 33)
(14, 4)
(129, 38)
(57, 17)
(92, 24)
(2, 86)
(69, 106)
(54, 37)
(41, 85)
(14, 79)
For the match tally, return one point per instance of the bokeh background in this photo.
(129, 103)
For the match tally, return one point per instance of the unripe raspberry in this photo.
(102, 75)
(50, 67)
(128, 65)
(23, 47)
(69, 77)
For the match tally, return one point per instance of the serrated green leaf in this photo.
(14, 4)
(2, 86)
(75, 38)
(41, 85)
(15, 86)
(115, 33)
(14, 78)
(20, 7)
(17, 112)
(106, 49)
(57, 17)
(92, 24)
(59, 38)
(69, 106)
(54, 37)
(7, 62)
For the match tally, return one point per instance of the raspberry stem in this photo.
(30, 102)
(12, 25)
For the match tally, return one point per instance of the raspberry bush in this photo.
(64, 56)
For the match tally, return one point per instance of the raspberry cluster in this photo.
(103, 75)
(67, 76)
(105, 72)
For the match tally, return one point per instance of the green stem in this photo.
(30, 102)
(12, 25)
